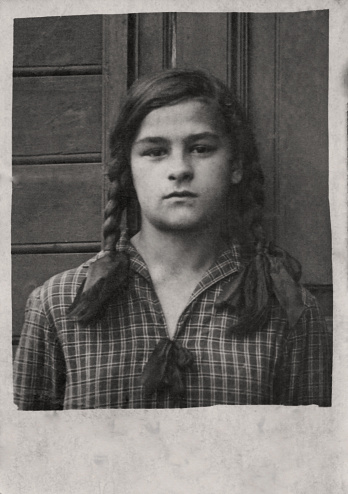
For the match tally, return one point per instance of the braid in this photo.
(246, 202)
(108, 275)
(269, 272)
(118, 195)
(112, 216)
(251, 198)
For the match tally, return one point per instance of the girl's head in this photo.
(170, 88)
(166, 94)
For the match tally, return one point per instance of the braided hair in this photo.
(245, 203)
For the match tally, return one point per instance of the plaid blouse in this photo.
(61, 365)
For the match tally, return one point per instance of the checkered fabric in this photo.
(61, 365)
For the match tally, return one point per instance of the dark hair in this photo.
(169, 88)
(108, 275)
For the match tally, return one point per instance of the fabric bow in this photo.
(271, 272)
(166, 369)
(106, 277)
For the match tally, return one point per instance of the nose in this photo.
(180, 168)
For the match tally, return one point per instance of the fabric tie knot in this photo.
(166, 369)
(271, 272)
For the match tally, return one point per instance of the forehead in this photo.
(192, 116)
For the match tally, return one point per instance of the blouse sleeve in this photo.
(39, 365)
(304, 376)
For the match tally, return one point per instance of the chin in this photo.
(183, 224)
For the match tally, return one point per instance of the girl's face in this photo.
(182, 167)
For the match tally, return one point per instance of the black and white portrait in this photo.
(175, 206)
(215, 207)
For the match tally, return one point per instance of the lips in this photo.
(183, 193)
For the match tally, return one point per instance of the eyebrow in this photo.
(189, 138)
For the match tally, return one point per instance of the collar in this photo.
(227, 263)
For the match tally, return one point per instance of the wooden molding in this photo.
(276, 124)
(133, 51)
(56, 248)
(169, 40)
(115, 75)
(115, 65)
(238, 56)
(57, 71)
(53, 159)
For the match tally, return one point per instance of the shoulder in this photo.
(309, 300)
(312, 319)
(312, 310)
(306, 310)
(59, 291)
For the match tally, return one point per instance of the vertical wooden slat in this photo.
(262, 106)
(115, 64)
(238, 56)
(303, 142)
(202, 42)
(133, 48)
(174, 33)
(277, 218)
(151, 43)
(288, 106)
(170, 22)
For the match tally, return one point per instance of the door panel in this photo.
(262, 106)
(304, 225)
(289, 109)
(56, 203)
(58, 41)
(57, 115)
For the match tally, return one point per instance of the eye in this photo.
(155, 152)
(203, 149)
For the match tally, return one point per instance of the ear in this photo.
(237, 175)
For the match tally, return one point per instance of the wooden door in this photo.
(70, 75)
(61, 70)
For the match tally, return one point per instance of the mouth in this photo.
(183, 193)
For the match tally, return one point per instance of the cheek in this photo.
(143, 185)
(219, 175)
(135, 177)
(137, 174)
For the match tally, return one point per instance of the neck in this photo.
(178, 251)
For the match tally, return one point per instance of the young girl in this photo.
(194, 309)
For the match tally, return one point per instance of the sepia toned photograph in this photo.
(171, 238)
